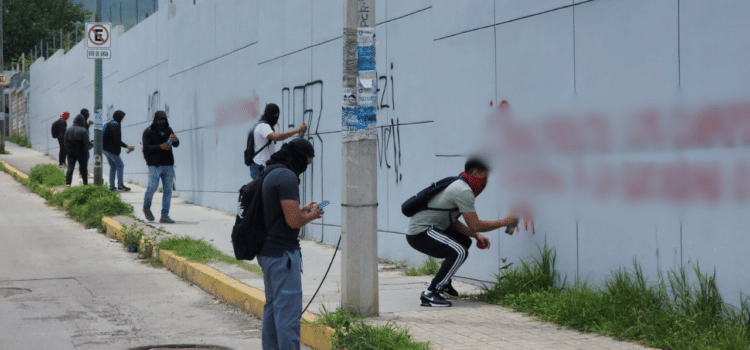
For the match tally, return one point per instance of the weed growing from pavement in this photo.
(48, 175)
(21, 141)
(199, 251)
(675, 314)
(131, 237)
(90, 203)
(429, 267)
(353, 334)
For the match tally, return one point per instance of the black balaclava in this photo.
(160, 128)
(293, 155)
(118, 115)
(85, 114)
(79, 120)
(271, 114)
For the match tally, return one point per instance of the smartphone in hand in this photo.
(323, 205)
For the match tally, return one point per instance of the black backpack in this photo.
(249, 231)
(418, 202)
(249, 151)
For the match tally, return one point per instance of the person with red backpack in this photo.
(434, 228)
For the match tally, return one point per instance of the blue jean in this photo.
(283, 310)
(115, 166)
(166, 174)
(255, 170)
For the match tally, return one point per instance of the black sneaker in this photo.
(124, 188)
(113, 189)
(430, 298)
(148, 214)
(166, 220)
(448, 289)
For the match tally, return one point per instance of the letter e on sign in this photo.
(98, 35)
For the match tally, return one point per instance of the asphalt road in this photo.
(63, 287)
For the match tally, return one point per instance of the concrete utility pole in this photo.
(359, 212)
(2, 88)
(98, 108)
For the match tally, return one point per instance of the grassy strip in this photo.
(34, 186)
(21, 141)
(676, 314)
(89, 204)
(430, 267)
(48, 175)
(352, 334)
(199, 251)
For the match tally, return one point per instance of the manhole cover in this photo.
(9, 292)
(182, 346)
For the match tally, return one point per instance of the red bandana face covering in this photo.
(477, 184)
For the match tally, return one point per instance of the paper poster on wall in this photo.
(359, 118)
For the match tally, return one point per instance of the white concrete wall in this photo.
(442, 65)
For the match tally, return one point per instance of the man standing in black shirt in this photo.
(280, 257)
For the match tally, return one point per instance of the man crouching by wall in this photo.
(437, 232)
(280, 257)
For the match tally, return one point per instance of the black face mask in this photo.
(160, 127)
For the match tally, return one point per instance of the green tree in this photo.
(27, 22)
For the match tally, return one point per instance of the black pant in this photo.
(63, 151)
(450, 245)
(83, 163)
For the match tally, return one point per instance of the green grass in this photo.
(21, 141)
(676, 314)
(33, 186)
(89, 204)
(429, 267)
(47, 174)
(352, 334)
(199, 251)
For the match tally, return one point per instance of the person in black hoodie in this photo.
(158, 140)
(111, 144)
(86, 122)
(58, 132)
(77, 144)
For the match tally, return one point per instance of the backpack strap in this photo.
(252, 134)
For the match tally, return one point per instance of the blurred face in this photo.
(479, 173)
(161, 121)
(309, 160)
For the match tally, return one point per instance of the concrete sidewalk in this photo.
(466, 325)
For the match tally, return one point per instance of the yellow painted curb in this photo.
(15, 171)
(230, 290)
(113, 228)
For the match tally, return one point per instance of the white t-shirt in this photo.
(261, 137)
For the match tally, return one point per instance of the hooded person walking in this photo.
(77, 144)
(158, 140)
(280, 256)
(111, 147)
(58, 132)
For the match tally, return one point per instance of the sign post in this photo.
(97, 48)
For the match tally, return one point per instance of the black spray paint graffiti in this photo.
(384, 101)
(301, 104)
(154, 101)
(390, 137)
